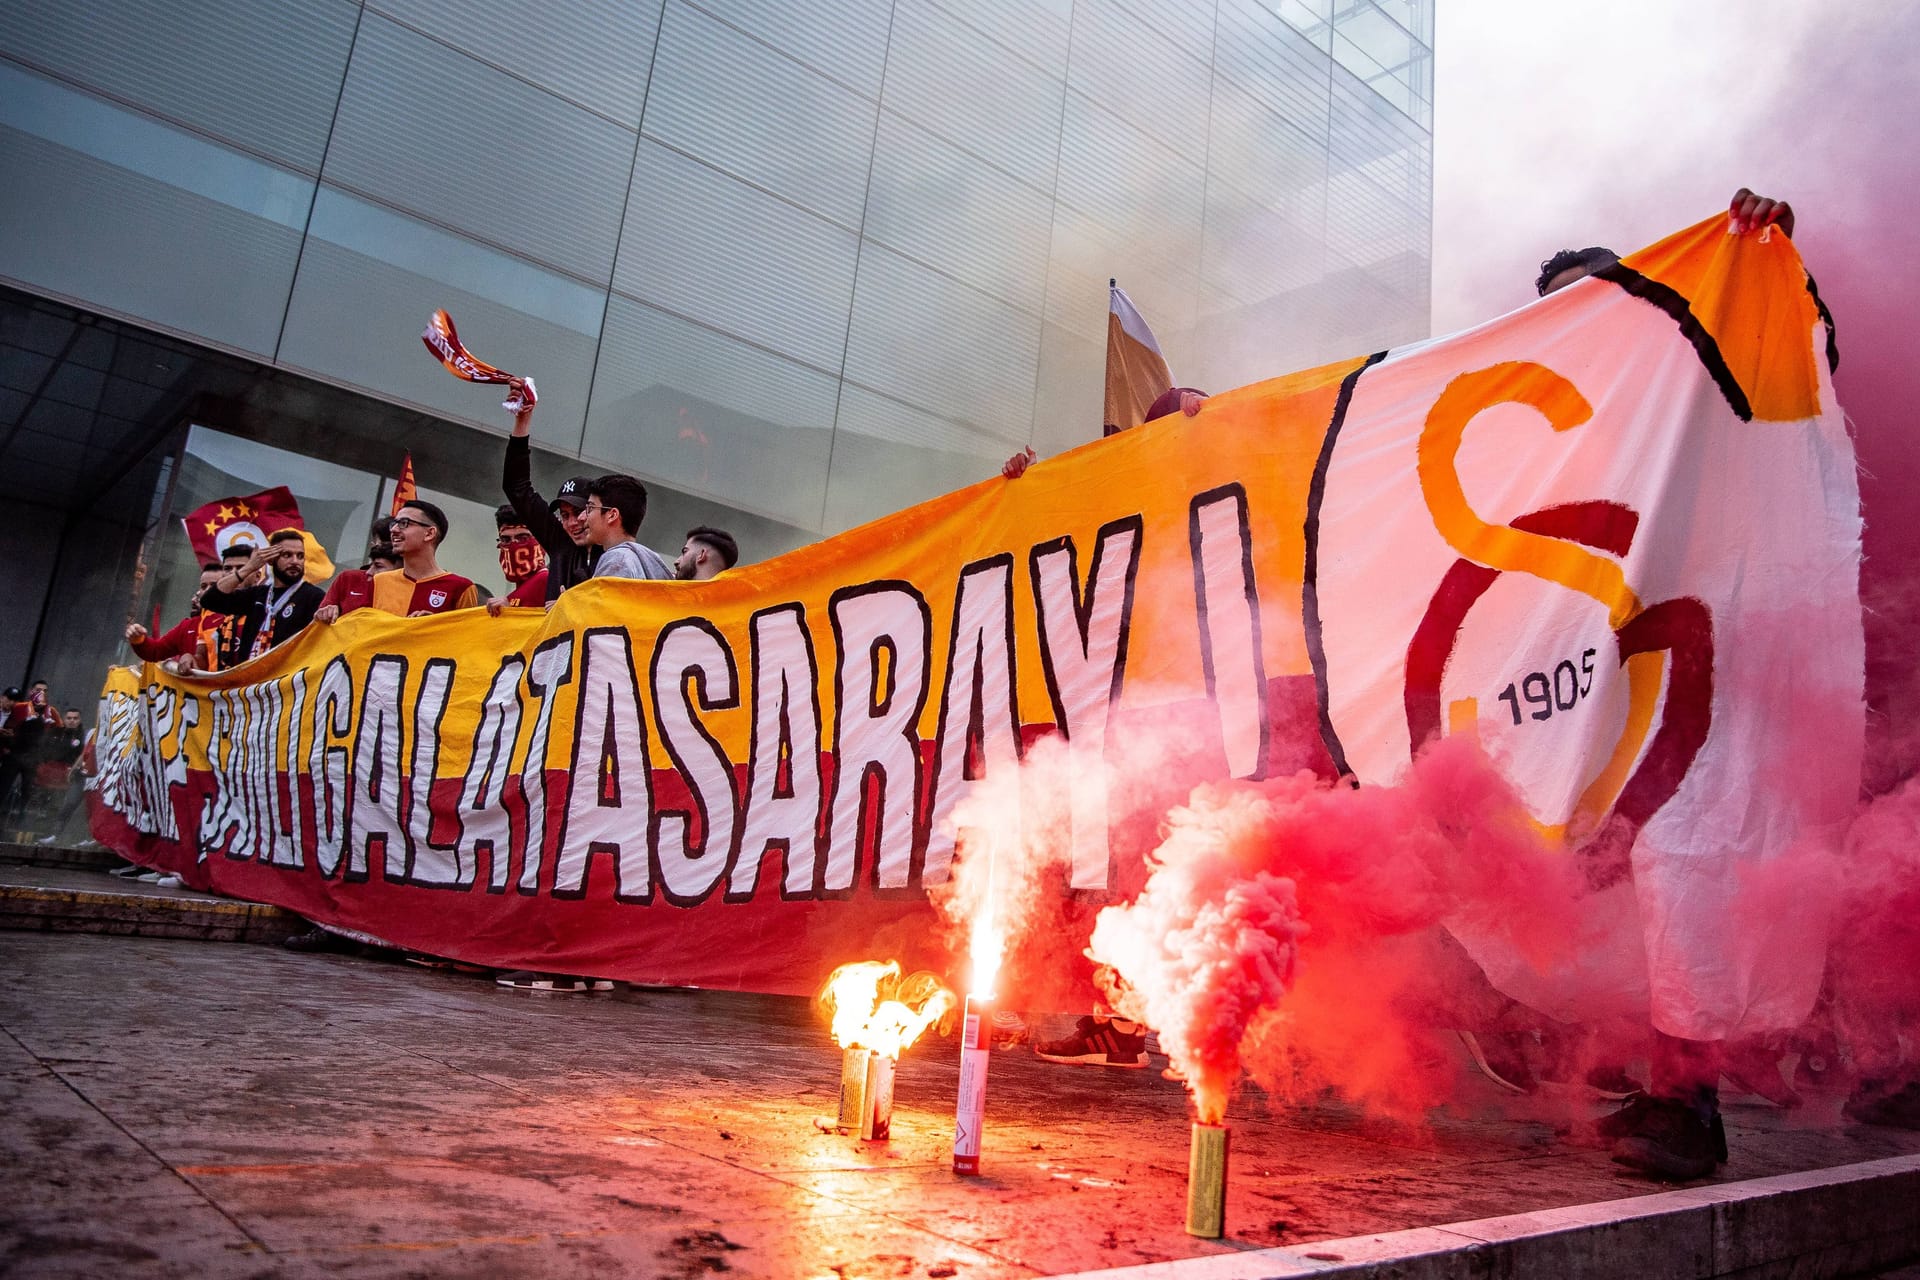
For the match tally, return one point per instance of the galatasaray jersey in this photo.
(393, 591)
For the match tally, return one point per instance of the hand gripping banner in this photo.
(1614, 534)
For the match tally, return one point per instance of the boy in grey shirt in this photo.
(615, 507)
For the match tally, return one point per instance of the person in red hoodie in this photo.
(187, 637)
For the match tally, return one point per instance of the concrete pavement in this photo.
(185, 1108)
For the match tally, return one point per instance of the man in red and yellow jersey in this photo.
(418, 587)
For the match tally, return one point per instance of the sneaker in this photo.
(1667, 1137)
(1500, 1058)
(148, 877)
(132, 871)
(1874, 1102)
(47, 841)
(1096, 1042)
(170, 881)
(556, 983)
(315, 939)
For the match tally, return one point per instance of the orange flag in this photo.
(1137, 373)
(405, 491)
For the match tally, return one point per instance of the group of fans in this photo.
(40, 746)
(1671, 1128)
(258, 597)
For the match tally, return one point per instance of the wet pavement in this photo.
(197, 1109)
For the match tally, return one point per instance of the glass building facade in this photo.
(796, 265)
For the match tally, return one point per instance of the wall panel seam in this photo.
(313, 197)
(509, 72)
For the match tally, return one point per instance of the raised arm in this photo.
(517, 480)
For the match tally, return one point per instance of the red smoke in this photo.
(1291, 927)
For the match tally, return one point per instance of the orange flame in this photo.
(986, 937)
(874, 1006)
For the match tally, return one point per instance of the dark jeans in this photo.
(16, 789)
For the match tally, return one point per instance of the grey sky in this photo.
(1561, 124)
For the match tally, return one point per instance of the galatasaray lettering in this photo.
(593, 765)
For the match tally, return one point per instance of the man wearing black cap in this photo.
(558, 526)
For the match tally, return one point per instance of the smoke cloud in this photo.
(1291, 928)
(1556, 126)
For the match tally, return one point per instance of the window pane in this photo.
(710, 414)
(370, 277)
(595, 52)
(762, 117)
(947, 77)
(262, 75)
(551, 178)
(699, 243)
(216, 231)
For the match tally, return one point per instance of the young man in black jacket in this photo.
(273, 612)
(558, 526)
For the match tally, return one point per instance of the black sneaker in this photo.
(315, 939)
(1095, 1042)
(1667, 1137)
(1875, 1102)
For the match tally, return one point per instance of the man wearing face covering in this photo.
(522, 559)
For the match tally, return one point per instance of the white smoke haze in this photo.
(1566, 125)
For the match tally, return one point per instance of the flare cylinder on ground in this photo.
(853, 1088)
(1207, 1181)
(876, 1116)
(976, 1049)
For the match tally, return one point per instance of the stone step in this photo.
(34, 854)
(1855, 1220)
(46, 899)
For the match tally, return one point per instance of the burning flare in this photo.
(874, 1006)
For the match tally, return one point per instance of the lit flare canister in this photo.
(1207, 1181)
(970, 1111)
(853, 1088)
(876, 1117)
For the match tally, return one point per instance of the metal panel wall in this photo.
(811, 261)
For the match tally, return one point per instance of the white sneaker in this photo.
(149, 877)
(170, 882)
(45, 840)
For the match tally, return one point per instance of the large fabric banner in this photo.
(1614, 534)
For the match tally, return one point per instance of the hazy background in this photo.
(1560, 125)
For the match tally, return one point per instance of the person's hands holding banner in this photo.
(1750, 212)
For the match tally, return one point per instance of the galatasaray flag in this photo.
(405, 490)
(247, 521)
(1137, 373)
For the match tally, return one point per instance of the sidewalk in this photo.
(179, 1108)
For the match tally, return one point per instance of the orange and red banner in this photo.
(1615, 535)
